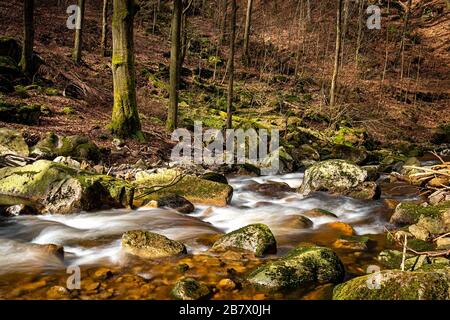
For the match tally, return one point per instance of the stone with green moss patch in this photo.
(194, 189)
(76, 147)
(20, 113)
(62, 190)
(299, 267)
(151, 245)
(397, 285)
(190, 289)
(257, 238)
(407, 213)
(12, 142)
(339, 177)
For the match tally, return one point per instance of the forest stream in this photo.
(92, 242)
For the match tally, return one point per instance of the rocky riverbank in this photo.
(65, 176)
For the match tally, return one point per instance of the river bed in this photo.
(91, 242)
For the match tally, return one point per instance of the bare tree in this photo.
(248, 22)
(172, 114)
(231, 65)
(125, 118)
(104, 42)
(26, 62)
(76, 55)
(337, 53)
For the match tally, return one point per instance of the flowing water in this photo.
(92, 242)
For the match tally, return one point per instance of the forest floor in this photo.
(408, 110)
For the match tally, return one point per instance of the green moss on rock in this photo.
(62, 190)
(407, 213)
(299, 267)
(190, 289)
(397, 285)
(76, 147)
(12, 142)
(194, 189)
(257, 238)
(151, 245)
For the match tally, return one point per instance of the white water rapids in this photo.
(94, 238)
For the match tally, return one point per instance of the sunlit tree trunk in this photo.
(104, 42)
(26, 62)
(231, 65)
(76, 55)
(248, 23)
(125, 118)
(172, 114)
(336, 54)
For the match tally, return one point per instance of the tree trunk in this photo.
(405, 30)
(336, 54)
(172, 114)
(26, 62)
(125, 118)
(224, 21)
(104, 42)
(360, 31)
(248, 23)
(76, 55)
(344, 29)
(231, 65)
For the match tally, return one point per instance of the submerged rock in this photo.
(175, 202)
(353, 243)
(299, 267)
(271, 189)
(190, 289)
(12, 142)
(151, 245)
(396, 285)
(256, 238)
(317, 213)
(192, 188)
(76, 147)
(339, 177)
(62, 190)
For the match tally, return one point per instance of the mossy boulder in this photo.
(407, 213)
(151, 245)
(12, 142)
(190, 289)
(299, 267)
(76, 147)
(194, 189)
(397, 285)
(59, 189)
(339, 177)
(20, 113)
(257, 238)
(278, 161)
(355, 155)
